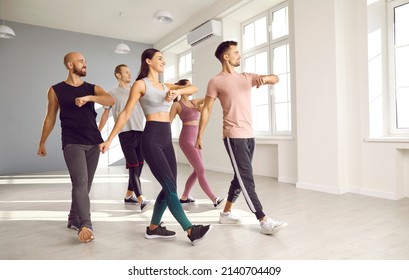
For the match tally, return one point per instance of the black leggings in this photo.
(157, 149)
(131, 148)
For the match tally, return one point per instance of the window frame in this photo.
(393, 130)
(270, 45)
(272, 95)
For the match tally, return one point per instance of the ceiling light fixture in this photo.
(122, 48)
(5, 31)
(162, 16)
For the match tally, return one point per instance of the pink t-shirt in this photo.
(234, 93)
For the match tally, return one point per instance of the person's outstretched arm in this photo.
(137, 90)
(176, 90)
(101, 97)
(204, 119)
(267, 80)
(104, 119)
(174, 110)
(49, 121)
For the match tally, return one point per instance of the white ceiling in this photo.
(102, 17)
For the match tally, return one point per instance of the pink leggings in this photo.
(187, 140)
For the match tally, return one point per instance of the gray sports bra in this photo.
(153, 101)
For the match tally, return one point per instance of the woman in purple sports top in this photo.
(188, 111)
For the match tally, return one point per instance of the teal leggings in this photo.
(159, 154)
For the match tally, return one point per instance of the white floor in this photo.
(34, 209)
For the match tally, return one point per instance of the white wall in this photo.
(317, 110)
(335, 152)
(331, 71)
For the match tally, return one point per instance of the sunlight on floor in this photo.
(199, 212)
(61, 179)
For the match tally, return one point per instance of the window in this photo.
(258, 63)
(282, 90)
(399, 66)
(266, 50)
(185, 71)
(388, 56)
(255, 33)
(185, 64)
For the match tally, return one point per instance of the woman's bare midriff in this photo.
(158, 117)
(190, 123)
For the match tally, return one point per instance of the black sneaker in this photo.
(146, 204)
(73, 223)
(187, 200)
(131, 200)
(218, 202)
(159, 232)
(198, 232)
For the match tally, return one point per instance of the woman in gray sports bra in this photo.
(155, 98)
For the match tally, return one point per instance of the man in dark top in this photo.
(80, 136)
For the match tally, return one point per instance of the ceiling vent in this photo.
(203, 32)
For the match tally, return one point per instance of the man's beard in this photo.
(79, 72)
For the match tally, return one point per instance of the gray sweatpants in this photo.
(82, 162)
(241, 152)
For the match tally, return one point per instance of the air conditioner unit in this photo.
(203, 32)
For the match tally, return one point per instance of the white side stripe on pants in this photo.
(236, 169)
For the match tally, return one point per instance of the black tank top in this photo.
(78, 124)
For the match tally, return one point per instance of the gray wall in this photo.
(29, 65)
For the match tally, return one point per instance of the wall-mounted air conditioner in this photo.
(203, 32)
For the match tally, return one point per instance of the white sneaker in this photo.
(228, 218)
(271, 226)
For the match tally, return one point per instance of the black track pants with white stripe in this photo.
(240, 151)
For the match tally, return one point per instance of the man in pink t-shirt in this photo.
(234, 92)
